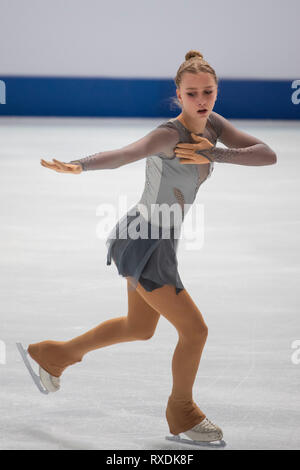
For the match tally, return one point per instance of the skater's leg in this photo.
(139, 324)
(182, 413)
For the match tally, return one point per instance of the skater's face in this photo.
(197, 91)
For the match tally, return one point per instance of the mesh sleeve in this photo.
(160, 141)
(244, 149)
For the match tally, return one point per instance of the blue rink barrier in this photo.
(142, 97)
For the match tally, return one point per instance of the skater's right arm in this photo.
(161, 140)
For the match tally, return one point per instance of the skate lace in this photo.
(205, 425)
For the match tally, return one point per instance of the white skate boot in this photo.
(203, 434)
(45, 382)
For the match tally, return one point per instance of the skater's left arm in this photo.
(244, 149)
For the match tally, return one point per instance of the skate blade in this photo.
(34, 376)
(177, 438)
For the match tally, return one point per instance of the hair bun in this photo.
(192, 53)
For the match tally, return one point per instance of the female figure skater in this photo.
(180, 156)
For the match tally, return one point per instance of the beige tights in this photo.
(144, 310)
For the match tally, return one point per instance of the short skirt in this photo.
(151, 261)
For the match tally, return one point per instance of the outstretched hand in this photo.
(187, 152)
(62, 167)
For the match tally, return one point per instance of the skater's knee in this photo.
(144, 335)
(200, 335)
(140, 331)
(204, 331)
(147, 337)
(196, 335)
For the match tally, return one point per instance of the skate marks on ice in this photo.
(45, 382)
(213, 444)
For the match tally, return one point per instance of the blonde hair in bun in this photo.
(191, 54)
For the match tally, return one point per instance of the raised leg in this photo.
(139, 324)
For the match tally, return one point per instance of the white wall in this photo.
(149, 38)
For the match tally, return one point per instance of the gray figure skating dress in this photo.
(144, 243)
(152, 260)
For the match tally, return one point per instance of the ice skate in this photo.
(203, 434)
(45, 382)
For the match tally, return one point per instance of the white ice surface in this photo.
(55, 284)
